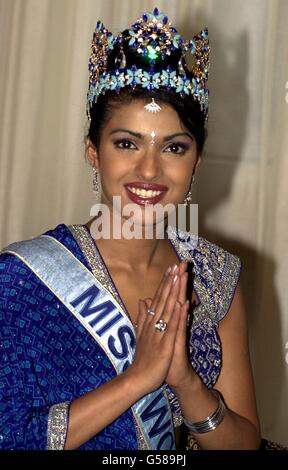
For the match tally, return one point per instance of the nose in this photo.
(148, 167)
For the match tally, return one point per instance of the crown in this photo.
(152, 38)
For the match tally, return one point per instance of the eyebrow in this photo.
(135, 134)
(140, 136)
(178, 134)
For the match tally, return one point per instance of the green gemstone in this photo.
(152, 53)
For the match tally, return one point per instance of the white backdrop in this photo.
(242, 185)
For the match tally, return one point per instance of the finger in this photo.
(142, 313)
(183, 288)
(159, 292)
(165, 286)
(182, 268)
(166, 312)
(182, 327)
(149, 311)
(173, 323)
(148, 302)
(161, 295)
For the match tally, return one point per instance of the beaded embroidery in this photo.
(57, 426)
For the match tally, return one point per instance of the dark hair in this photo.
(187, 108)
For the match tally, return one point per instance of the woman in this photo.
(94, 354)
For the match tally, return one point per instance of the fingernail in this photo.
(175, 267)
(175, 279)
(168, 270)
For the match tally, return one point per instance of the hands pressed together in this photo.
(161, 354)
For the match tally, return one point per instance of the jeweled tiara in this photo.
(152, 37)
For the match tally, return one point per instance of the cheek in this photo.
(113, 172)
(112, 166)
(181, 173)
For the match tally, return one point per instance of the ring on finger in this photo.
(161, 325)
(150, 312)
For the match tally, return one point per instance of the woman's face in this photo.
(144, 157)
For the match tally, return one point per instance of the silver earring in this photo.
(95, 182)
(188, 197)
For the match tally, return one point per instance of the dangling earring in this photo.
(95, 182)
(188, 197)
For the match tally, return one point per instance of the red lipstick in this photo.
(147, 197)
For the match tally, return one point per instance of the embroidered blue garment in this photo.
(47, 357)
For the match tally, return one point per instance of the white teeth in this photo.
(143, 192)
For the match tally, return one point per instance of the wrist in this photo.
(133, 382)
(191, 382)
(211, 422)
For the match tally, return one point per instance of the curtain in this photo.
(241, 185)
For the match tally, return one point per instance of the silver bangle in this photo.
(210, 423)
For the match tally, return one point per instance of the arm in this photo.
(240, 426)
(100, 407)
(95, 410)
(27, 421)
(24, 414)
(26, 426)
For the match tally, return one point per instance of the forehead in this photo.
(134, 116)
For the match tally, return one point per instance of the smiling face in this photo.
(143, 157)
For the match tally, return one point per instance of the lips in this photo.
(145, 193)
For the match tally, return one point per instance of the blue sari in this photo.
(48, 358)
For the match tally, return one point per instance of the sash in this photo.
(97, 310)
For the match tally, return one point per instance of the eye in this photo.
(177, 148)
(124, 144)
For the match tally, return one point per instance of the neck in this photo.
(129, 254)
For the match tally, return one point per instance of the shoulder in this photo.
(14, 271)
(216, 271)
(60, 233)
(208, 256)
(11, 254)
